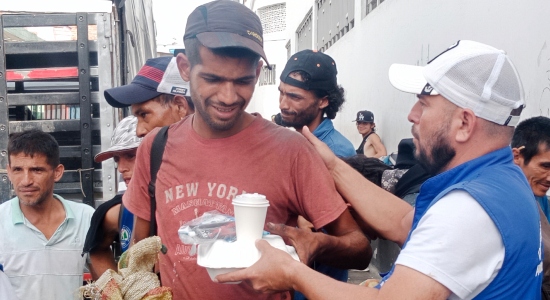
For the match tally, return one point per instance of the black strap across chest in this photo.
(157, 151)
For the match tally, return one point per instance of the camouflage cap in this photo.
(124, 138)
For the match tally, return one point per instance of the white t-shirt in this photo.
(457, 244)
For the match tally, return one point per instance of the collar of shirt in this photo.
(323, 129)
(18, 217)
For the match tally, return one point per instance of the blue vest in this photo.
(501, 189)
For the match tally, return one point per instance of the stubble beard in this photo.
(441, 153)
(302, 118)
(219, 125)
(36, 202)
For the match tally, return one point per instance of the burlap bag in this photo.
(135, 280)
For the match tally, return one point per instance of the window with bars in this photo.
(267, 76)
(371, 5)
(334, 20)
(273, 17)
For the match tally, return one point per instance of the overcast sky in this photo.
(171, 17)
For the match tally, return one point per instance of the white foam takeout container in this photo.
(223, 257)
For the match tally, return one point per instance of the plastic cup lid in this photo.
(251, 200)
(250, 205)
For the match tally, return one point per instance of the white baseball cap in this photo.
(470, 75)
(158, 76)
(171, 82)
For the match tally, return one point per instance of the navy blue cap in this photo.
(143, 87)
(364, 116)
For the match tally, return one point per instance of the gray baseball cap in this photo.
(220, 24)
(124, 138)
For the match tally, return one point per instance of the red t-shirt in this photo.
(199, 175)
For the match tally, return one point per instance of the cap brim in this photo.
(101, 156)
(228, 39)
(126, 95)
(408, 78)
(105, 155)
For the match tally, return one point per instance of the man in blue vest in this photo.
(475, 229)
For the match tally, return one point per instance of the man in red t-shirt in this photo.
(222, 151)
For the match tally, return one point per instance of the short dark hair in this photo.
(371, 168)
(531, 134)
(373, 129)
(33, 142)
(192, 50)
(166, 99)
(335, 96)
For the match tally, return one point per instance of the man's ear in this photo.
(258, 70)
(323, 102)
(58, 172)
(182, 106)
(467, 122)
(518, 158)
(184, 66)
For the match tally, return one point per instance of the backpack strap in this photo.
(117, 247)
(157, 151)
(360, 150)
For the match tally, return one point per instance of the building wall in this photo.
(266, 98)
(413, 32)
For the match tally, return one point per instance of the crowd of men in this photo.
(476, 229)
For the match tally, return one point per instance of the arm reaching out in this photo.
(346, 250)
(388, 215)
(276, 271)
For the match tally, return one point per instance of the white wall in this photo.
(412, 32)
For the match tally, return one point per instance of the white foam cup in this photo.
(250, 212)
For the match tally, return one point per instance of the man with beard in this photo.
(222, 151)
(41, 234)
(475, 230)
(310, 96)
